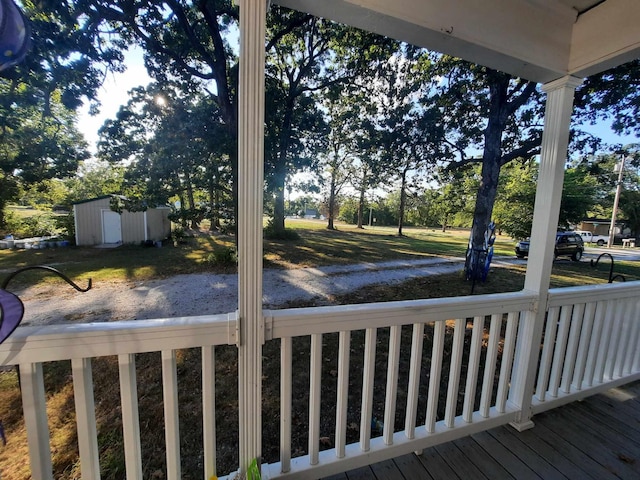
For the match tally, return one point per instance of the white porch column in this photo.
(553, 155)
(250, 186)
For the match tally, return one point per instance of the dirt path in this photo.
(202, 294)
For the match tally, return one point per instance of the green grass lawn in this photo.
(316, 246)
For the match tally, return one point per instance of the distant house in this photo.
(97, 224)
(311, 213)
(600, 226)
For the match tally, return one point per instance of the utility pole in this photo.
(612, 228)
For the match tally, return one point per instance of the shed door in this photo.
(111, 227)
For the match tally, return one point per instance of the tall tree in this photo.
(336, 165)
(409, 133)
(303, 62)
(39, 137)
(612, 95)
(175, 145)
(487, 111)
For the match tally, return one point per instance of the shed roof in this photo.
(102, 197)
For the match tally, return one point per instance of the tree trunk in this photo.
(445, 219)
(214, 221)
(192, 201)
(332, 203)
(278, 207)
(491, 159)
(183, 216)
(3, 205)
(280, 174)
(403, 195)
(361, 208)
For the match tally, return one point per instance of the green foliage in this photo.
(66, 226)
(349, 211)
(273, 233)
(12, 224)
(224, 257)
(95, 179)
(36, 226)
(513, 211)
(579, 196)
(178, 234)
(630, 208)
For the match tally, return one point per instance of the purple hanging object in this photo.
(15, 34)
(11, 312)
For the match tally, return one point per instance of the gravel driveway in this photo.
(202, 294)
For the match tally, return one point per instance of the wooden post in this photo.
(250, 186)
(553, 155)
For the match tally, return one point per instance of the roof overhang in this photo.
(539, 40)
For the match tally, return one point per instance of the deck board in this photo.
(503, 455)
(598, 438)
(477, 455)
(534, 461)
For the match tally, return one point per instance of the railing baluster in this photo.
(315, 379)
(595, 343)
(559, 351)
(342, 402)
(616, 338)
(549, 342)
(472, 369)
(367, 388)
(209, 410)
(415, 365)
(633, 337)
(86, 418)
(605, 344)
(285, 403)
(130, 416)
(507, 361)
(572, 347)
(627, 329)
(392, 384)
(36, 423)
(635, 366)
(583, 347)
(490, 365)
(454, 372)
(171, 413)
(434, 376)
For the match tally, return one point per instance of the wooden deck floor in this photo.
(598, 438)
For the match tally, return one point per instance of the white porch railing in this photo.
(455, 382)
(591, 343)
(30, 347)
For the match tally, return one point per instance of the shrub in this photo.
(37, 226)
(66, 226)
(223, 257)
(288, 233)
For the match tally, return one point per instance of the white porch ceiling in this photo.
(539, 40)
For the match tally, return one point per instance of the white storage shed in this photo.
(97, 224)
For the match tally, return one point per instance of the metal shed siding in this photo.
(88, 219)
(136, 227)
(133, 228)
(158, 224)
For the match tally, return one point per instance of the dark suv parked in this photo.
(568, 244)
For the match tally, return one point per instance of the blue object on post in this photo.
(14, 35)
(11, 312)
